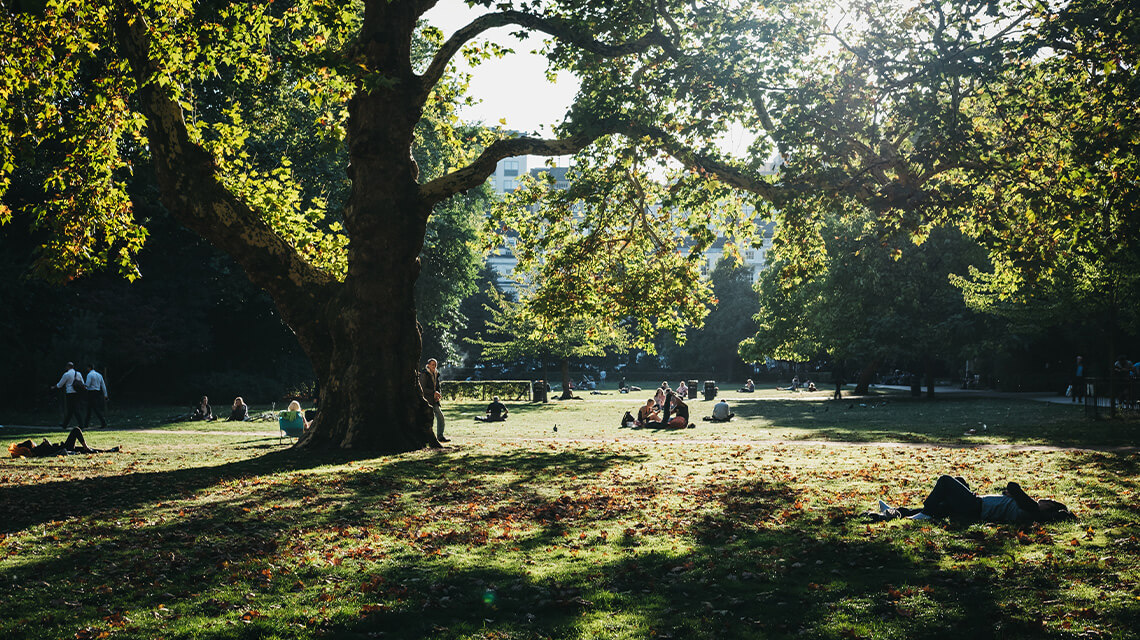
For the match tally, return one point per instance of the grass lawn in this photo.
(743, 530)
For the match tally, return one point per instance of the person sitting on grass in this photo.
(496, 412)
(680, 419)
(682, 389)
(659, 396)
(73, 444)
(239, 412)
(647, 414)
(952, 498)
(721, 412)
(749, 386)
(203, 411)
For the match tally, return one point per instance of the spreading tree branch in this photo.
(556, 27)
(194, 193)
(477, 172)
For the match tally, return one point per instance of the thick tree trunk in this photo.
(567, 392)
(370, 393)
(929, 366)
(360, 335)
(864, 383)
(371, 397)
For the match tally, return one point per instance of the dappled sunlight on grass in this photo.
(597, 531)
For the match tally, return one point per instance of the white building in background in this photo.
(751, 258)
(506, 178)
(507, 174)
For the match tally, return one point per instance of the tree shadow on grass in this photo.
(748, 560)
(61, 499)
(748, 575)
(134, 551)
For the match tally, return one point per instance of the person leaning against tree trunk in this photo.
(429, 385)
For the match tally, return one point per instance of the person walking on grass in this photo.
(72, 384)
(429, 385)
(96, 396)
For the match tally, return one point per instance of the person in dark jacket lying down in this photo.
(952, 498)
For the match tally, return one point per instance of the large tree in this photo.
(875, 298)
(1059, 203)
(101, 82)
(713, 347)
(519, 330)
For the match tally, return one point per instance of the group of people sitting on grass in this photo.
(239, 411)
(796, 385)
(665, 409)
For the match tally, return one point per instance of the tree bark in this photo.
(371, 398)
(567, 392)
(928, 364)
(864, 383)
(361, 335)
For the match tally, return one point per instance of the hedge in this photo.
(514, 390)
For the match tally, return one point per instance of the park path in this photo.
(22, 427)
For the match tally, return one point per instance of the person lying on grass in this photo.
(496, 412)
(952, 498)
(45, 448)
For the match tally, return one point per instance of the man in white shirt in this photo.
(71, 396)
(96, 396)
(721, 412)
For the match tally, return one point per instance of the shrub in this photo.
(485, 389)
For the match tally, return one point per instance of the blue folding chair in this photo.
(292, 424)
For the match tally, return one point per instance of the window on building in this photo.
(749, 255)
(510, 168)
